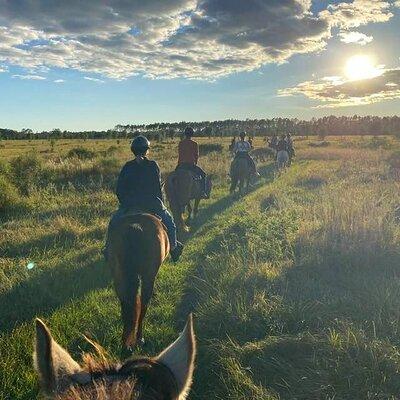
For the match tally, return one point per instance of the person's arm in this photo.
(196, 153)
(156, 181)
(122, 185)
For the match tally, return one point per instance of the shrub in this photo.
(8, 194)
(207, 148)
(377, 142)
(4, 167)
(26, 171)
(112, 150)
(81, 153)
(323, 143)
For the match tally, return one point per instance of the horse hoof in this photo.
(126, 352)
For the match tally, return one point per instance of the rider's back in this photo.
(139, 184)
(188, 151)
(281, 146)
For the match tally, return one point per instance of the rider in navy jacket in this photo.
(139, 185)
(139, 189)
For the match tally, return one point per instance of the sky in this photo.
(90, 65)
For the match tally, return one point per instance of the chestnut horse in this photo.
(138, 244)
(181, 188)
(165, 377)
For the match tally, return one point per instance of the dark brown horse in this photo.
(138, 244)
(240, 173)
(165, 377)
(181, 188)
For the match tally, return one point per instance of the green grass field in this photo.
(295, 287)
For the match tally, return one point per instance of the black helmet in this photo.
(242, 134)
(140, 145)
(189, 131)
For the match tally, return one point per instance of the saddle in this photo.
(138, 210)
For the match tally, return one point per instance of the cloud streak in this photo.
(355, 38)
(336, 92)
(195, 39)
(30, 77)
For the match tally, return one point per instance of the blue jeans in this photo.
(166, 219)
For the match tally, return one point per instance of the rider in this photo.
(242, 149)
(139, 188)
(189, 156)
(273, 142)
(290, 147)
(282, 144)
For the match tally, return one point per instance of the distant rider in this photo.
(290, 147)
(139, 189)
(273, 141)
(282, 144)
(188, 157)
(242, 149)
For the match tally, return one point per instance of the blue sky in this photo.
(188, 60)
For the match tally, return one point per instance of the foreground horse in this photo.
(138, 244)
(165, 377)
(181, 188)
(240, 174)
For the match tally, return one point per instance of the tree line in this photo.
(329, 125)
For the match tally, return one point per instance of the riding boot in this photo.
(176, 252)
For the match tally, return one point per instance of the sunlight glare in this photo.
(361, 67)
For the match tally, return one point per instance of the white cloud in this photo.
(30, 77)
(198, 39)
(93, 79)
(59, 81)
(355, 38)
(339, 92)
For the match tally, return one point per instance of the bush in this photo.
(26, 171)
(4, 168)
(207, 148)
(111, 151)
(8, 194)
(394, 160)
(377, 142)
(324, 143)
(81, 153)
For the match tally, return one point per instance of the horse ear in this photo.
(54, 364)
(179, 358)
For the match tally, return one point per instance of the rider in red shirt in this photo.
(189, 156)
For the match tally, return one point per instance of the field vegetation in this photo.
(295, 287)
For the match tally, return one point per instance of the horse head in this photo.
(166, 376)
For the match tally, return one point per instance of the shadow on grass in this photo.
(191, 295)
(61, 240)
(207, 213)
(50, 289)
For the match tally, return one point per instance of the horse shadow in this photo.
(207, 213)
(191, 296)
(47, 290)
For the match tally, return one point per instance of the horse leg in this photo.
(233, 184)
(196, 206)
(130, 310)
(190, 210)
(147, 292)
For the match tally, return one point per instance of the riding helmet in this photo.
(140, 144)
(242, 134)
(189, 131)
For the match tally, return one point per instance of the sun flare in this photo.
(361, 67)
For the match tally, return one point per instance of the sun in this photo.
(361, 67)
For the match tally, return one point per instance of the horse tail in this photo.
(130, 297)
(173, 198)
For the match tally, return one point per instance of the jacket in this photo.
(139, 186)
